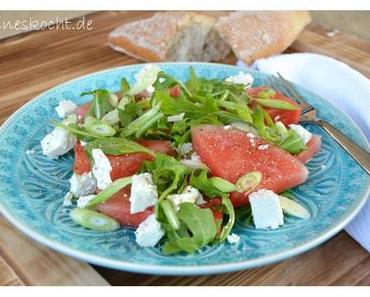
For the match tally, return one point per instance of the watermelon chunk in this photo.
(230, 153)
(286, 116)
(314, 146)
(118, 207)
(123, 165)
(82, 162)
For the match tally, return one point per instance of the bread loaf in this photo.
(171, 36)
(254, 35)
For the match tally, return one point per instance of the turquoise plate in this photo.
(32, 188)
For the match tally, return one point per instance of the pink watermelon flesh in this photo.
(314, 146)
(230, 153)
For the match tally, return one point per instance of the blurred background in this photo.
(352, 22)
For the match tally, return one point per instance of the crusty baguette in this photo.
(254, 35)
(171, 36)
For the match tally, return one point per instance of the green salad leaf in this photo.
(100, 104)
(293, 143)
(198, 228)
(116, 146)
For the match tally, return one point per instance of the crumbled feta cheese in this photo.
(143, 192)
(150, 90)
(185, 148)
(65, 108)
(190, 194)
(263, 147)
(233, 238)
(241, 78)
(149, 232)
(101, 169)
(176, 118)
(302, 132)
(57, 143)
(82, 185)
(266, 209)
(250, 135)
(30, 152)
(227, 127)
(194, 162)
(84, 200)
(67, 201)
(83, 143)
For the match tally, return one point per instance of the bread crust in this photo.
(152, 39)
(255, 35)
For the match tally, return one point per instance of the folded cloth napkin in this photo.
(343, 86)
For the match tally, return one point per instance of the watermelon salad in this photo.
(179, 161)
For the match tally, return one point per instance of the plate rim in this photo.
(181, 270)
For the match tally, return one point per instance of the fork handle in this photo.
(360, 155)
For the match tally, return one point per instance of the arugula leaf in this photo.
(100, 104)
(293, 143)
(116, 146)
(230, 211)
(78, 131)
(200, 180)
(174, 106)
(125, 86)
(201, 228)
(140, 125)
(165, 81)
(168, 173)
(130, 112)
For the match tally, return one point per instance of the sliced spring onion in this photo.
(112, 117)
(93, 220)
(170, 214)
(222, 184)
(273, 103)
(113, 99)
(248, 182)
(109, 191)
(244, 127)
(293, 208)
(281, 130)
(100, 128)
(267, 93)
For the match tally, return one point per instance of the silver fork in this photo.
(308, 115)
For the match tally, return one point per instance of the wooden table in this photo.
(34, 62)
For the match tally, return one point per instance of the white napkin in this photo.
(343, 86)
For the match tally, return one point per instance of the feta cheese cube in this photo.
(101, 169)
(65, 108)
(149, 232)
(82, 185)
(233, 238)
(302, 132)
(143, 192)
(241, 78)
(266, 210)
(190, 194)
(176, 118)
(57, 143)
(84, 200)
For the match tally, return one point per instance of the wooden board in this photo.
(34, 62)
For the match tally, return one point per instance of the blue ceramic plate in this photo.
(32, 188)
